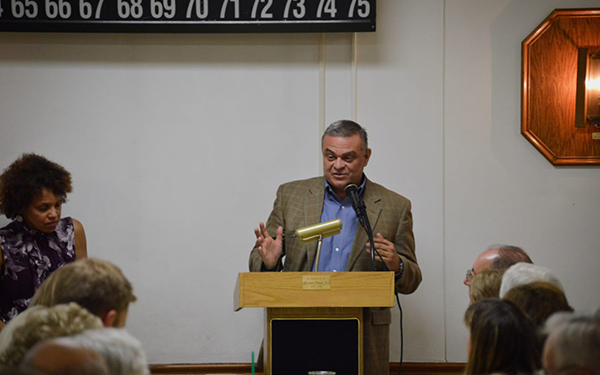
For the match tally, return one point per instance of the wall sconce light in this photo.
(587, 109)
(560, 102)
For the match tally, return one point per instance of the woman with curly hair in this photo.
(38, 241)
(502, 339)
(46, 323)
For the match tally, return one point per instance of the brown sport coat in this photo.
(300, 203)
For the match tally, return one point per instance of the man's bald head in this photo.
(508, 256)
(54, 358)
(498, 257)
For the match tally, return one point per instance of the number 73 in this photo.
(299, 10)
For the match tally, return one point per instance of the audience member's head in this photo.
(25, 179)
(122, 352)
(497, 257)
(45, 323)
(524, 273)
(54, 358)
(97, 285)
(502, 339)
(573, 345)
(539, 300)
(486, 284)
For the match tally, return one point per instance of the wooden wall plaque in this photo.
(549, 86)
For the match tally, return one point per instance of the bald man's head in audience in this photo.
(97, 285)
(497, 257)
(54, 358)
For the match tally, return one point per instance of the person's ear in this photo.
(109, 319)
(367, 156)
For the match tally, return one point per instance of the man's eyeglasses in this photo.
(470, 274)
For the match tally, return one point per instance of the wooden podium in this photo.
(307, 309)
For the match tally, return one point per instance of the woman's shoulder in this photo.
(65, 225)
(67, 220)
(11, 229)
(72, 222)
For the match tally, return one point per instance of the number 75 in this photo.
(364, 8)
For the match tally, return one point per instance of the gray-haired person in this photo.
(122, 352)
(300, 203)
(573, 344)
(55, 358)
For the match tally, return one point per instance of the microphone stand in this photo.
(367, 226)
(363, 219)
(361, 213)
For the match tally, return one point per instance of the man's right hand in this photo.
(269, 249)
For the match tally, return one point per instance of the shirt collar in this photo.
(331, 194)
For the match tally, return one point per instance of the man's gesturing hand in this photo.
(269, 249)
(387, 250)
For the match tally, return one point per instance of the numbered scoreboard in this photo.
(187, 16)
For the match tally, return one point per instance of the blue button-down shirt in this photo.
(336, 250)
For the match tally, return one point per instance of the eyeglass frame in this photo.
(470, 274)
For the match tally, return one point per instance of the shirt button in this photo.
(343, 207)
(337, 249)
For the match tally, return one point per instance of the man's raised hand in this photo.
(269, 249)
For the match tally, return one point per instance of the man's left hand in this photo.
(387, 251)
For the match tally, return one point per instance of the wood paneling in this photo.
(549, 87)
(244, 368)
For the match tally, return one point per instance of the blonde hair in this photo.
(45, 323)
(97, 285)
(486, 284)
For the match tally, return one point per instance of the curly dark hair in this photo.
(26, 177)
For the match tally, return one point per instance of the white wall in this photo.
(498, 188)
(177, 144)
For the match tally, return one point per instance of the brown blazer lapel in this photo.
(313, 207)
(372, 199)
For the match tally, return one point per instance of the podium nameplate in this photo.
(316, 282)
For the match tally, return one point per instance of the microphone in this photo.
(359, 206)
(361, 213)
(318, 231)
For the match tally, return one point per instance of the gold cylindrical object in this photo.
(321, 230)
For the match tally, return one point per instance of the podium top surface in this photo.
(314, 289)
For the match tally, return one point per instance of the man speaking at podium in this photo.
(307, 202)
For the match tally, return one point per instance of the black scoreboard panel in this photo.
(187, 16)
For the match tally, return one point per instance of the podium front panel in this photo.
(300, 345)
